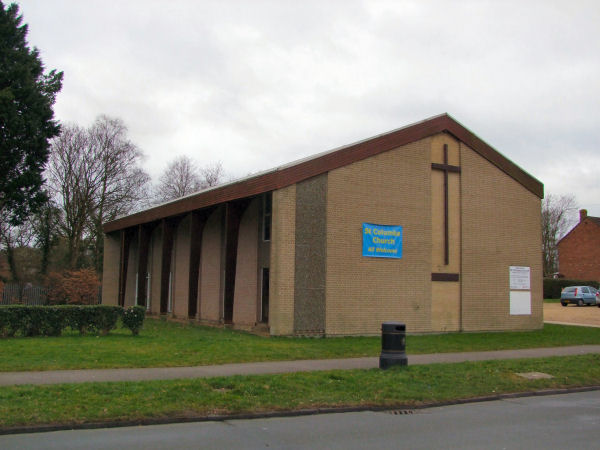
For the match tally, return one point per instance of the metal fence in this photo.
(23, 294)
(28, 294)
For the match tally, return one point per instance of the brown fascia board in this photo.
(307, 168)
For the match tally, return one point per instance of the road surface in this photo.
(548, 422)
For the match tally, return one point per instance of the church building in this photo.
(426, 225)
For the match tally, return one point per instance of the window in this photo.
(148, 287)
(267, 212)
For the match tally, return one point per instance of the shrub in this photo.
(78, 287)
(553, 286)
(92, 318)
(55, 294)
(52, 320)
(133, 318)
(105, 317)
(30, 321)
(10, 320)
(33, 321)
(79, 318)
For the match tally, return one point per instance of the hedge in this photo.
(553, 286)
(53, 320)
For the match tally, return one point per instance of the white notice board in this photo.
(520, 303)
(520, 277)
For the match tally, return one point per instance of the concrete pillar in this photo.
(110, 278)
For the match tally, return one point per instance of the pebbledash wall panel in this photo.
(310, 256)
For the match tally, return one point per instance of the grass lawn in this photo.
(393, 388)
(169, 344)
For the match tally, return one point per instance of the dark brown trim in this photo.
(445, 277)
(288, 175)
(168, 228)
(123, 264)
(445, 167)
(446, 234)
(446, 226)
(144, 232)
(492, 155)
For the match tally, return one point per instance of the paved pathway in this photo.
(271, 367)
(571, 324)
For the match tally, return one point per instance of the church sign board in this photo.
(382, 241)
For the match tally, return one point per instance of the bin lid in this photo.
(393, 326)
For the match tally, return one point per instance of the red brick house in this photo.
(579, 250)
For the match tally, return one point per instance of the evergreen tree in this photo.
(27, 96)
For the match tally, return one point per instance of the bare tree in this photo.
(14, 238)
(183, 176)
(556, 221)
(27, 246)
(94, 176)
(45, 227)
(180, 178)
(69, 177)
(119, 184)
(212, 174)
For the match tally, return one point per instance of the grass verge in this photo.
(69, 404)
(168, 344)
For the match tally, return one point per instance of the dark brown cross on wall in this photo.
(446, 168)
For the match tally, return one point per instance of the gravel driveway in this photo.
(580, 315)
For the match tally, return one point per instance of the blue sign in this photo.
(382, 241)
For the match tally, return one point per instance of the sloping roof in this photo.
(594, 220)
(297, 171)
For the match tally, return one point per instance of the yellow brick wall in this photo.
(281, 285)
(392, 188)
(500, 228)
(445, 296)
(445, 306)
(246, 269)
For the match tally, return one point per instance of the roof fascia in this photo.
(325, 162)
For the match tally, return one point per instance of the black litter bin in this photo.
(393, 345)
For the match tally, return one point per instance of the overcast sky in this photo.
(255, 84)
